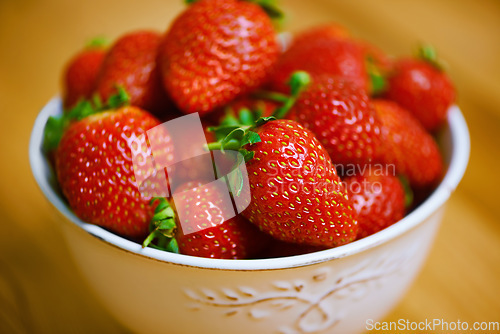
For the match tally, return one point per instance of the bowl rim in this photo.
(459, 157)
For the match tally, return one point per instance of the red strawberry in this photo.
(324, 31)
(296, 195)
(282, 249)
(422, 88)
(196, 163)
(201, 227)
(209, 135)
(408, 146)
(379, 200)
(338, 112)
(131, 63)
(95, 170)
(318, 54)
(215, 51)
(80, 74)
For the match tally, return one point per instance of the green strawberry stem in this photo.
(282, 111)
(232, 145)
(273, 96)
(56, 125)
(298, 82)
(120, 99)
(247, 118)
(378, 82)
(97, 42)
(235, 133)
(234, 138)
(407, 189)
(427, 53)
(229, 119)
(270, 7)
(162, 227)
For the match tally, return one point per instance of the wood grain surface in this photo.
(41, 290)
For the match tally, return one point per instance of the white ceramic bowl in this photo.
(332, 291)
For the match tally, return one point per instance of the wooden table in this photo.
(40, 288)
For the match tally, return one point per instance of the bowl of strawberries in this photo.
(245, 181)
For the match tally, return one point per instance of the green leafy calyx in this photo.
(97, 43)
(271, 8)
(56, 125)
(427, 53)
(237, 131)
(162, 227)
(407, 190)
(298, 82)
(377, 80)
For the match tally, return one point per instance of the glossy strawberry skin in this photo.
(215, 51)
(408, 146)
(95, 170)
(319, 55)
(296, 195)
(378, 198)
(235, 238)
(339, 113)
(324, 31)
(423, 90)
(80, 75)
(131, 63)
